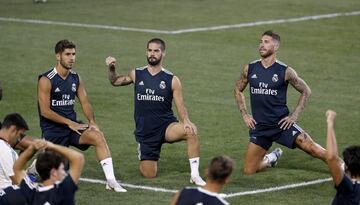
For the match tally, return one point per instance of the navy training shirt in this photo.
(194, 196)
(153, 100)
(268, 92)
(62, 99)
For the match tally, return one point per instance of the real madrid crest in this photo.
(162, 85)
(73, 87)
(275, 78)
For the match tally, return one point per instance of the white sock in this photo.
(107, 166)
(270, 158)
(194, 166)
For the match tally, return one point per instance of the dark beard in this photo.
(153, 63)
(63, 65)
(267, 54)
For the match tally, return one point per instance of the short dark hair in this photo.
(157, 41)
(352, 160)
(273, 35)
(46, 161)
(220, 168)
(14, 119)
(62, 45)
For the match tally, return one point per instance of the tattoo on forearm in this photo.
(239, 88)
(113, 76)
(301, 87)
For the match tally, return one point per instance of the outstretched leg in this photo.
(307, 144)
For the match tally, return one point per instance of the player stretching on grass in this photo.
(57, 89)
(155, 88)
(271, 121)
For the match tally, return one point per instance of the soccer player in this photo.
(217, 175)
(57, 89)
(347, 183)
(271, 121)
(154, 90)
(57, 186)
(11, 133)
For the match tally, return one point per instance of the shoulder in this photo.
(5, 150)
(281, 64)
(255, 62)
(50, 74)
(140, 68)
(68, 183)
(167, 72)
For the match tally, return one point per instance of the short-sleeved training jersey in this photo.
(268, 92)
(195, 196)
(62, 99)
(153, 100)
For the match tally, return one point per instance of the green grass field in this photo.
(325, 52)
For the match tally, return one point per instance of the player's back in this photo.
(268, 92)
(60, 193)
(348, 192)
(199, 196)
(62, 98)
(12, 195)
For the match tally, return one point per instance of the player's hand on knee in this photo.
(287, 122)
(249, 121)
(76, 127)
(190, 128)
(110, 61)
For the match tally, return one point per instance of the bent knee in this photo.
(95, 137)
(249, 171)
(148, 174)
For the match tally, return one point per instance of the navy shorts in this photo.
(149, 146)
(65, 138)
(264, 135)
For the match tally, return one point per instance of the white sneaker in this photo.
(277, 153)
(114, 185)
(197, 180)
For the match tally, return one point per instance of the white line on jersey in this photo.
(180, 31)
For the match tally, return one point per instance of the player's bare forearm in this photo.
(76, 160)
(240, 86)
(89, 113)
(240, 100)
(332, 157)
(20, 163)
(116, 79)
(301, 86)
(183, 114)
